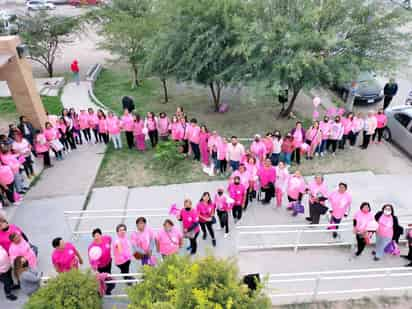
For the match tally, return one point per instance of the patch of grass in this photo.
(8, 109)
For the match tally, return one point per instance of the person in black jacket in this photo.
(389, 91)
(388, 230)
(127, 103)
(26, 128)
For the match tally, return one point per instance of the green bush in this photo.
(168, 156)
(204, 283)
(71, 290)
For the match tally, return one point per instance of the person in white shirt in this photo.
(6, 275)
(235, 152)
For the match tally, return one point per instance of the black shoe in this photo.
(11, 297)
(15, 286)
(335, 235)
(309, 219)
(214, 242)
(204, 236)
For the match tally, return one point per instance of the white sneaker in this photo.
(226, 235)
(322, 154)
(316, 154)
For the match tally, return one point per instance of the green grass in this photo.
(8, 109)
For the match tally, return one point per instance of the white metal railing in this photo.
(74, 219)
(314, 290)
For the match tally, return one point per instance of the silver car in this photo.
(399, 127)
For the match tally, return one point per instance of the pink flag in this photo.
(340, 111)
(331, 112)
(174, 211)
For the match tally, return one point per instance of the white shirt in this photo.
(4, 261)
(236, 152)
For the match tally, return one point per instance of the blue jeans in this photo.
(275, 158)
(76, 76)
(234, 165)
(381, 243)
(322, 146)
(287, 157)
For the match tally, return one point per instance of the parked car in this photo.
(36, 5)
(58, 1)
(399, 127)
(84, 2)
(368, 90)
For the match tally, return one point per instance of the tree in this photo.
(200, 37)
(125, 27)
(208, 282)
(299, 44)
(44, 34)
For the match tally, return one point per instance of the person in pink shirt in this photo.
(357, 126)
(223, 207)
(222, 156)
(151, 124)
(203, 145)
(10, 159)
(388, 230)
(6, 230)
(361, 222)
(93, 122)
(127, 122)
(113, 129)
(252, 169)
(347, 123)
(244, 176)
(212, 144)
(194, 139)
(324, 126)
(235, 152)
(52, 136)
(100, 258)
(42, 148)
(206, 209)
(122, 250)
(340, 202)
(163, 126)
(138, 132)
(381, 121)
(7, 183)
(336, 133)
(84, 125)
(316, 189)
(20, 247)
(190, 223)
(282, 176)
(177, 129)
(65, 256)
(22, 147)
(296, 187)
(169, 239)
(299, 137)
(102, 127)
(313, 139)
(143, 242)
(186, 129)
(258, 148)
(237, 192)
(268, 141)
(267, 178)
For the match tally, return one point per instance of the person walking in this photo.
(340, 201)
(361, 223)
(370, 125)
(223, 207)
(169, 239)
(65, 256)
(389, 91)
(190, 223)
(143, 242)
(122, 251)
(206, 209)
(74, 67)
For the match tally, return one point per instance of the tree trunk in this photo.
(135, 81)
(164, 83)
(216, 94)
(50, 69)
(287, 111)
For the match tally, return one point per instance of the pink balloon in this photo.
(316, 101)
(331, 111)
(341, 111)
(315, 114)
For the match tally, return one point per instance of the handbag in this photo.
(56, 145)
(392, 248)
(213, 220)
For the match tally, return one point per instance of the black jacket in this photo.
(29, 127)
(397, 229)
(390, 89)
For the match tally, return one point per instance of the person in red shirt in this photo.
(74, 67)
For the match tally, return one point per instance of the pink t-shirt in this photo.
(336, 131)
(23, 249)
(151, 124)
(244, 177)
(221, 202)
(194, 134)
(296, 185)
(99, 254)
(22, 148)
(4, 261)
(127, 123)
(267, 175)
(189, 218)
(122, 250)
(66, 259)
(6, 175)
(236, 152)
(113, 125)
(222, 151)
(142, 240)
(102, 125)
(315, 188)
(51, 134)
(178, 131)
(84, 121)
(163, 124)
(93, 120)
(205, 210)
(4, 236)
(362, 220)
(381, 121)
(258, 149)
(138, 127)
(298, 138)
(169, 242)
(282, 177)
(385, 227)
(340, 202)
(347, 125)
(12, 161)
(268, 144)
(325, 128)
(237, 193)
(41, 144)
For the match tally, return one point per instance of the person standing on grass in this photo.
(222, 207)
(127, 125)
(258, 149)
(139, 136)
(336, 134)
(298, 134)
(313, 139)
(389, 91)
(190, 223)
(74, 67)
(84, 125)
(65, 256)
(113, 128)
(340, 201)
(235, 152)
(143, 242)
(237, 192)
(212, 145)
(267, 178)
(222, 155)
(163, 124)
(361, 221)
(6, 276)
(122, 251)
(206, 210)
(177, 129)
(151, 124)
(194, 138)
(370, 125)
(203, 145)
(169, 239)
(287, 149)
(381, 121)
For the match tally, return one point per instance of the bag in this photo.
(392, 248)
(298, 208)
(56, 145)
(213, 220)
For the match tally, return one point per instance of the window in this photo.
(403, 119)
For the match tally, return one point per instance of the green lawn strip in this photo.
(52, 104)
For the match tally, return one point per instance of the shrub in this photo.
(168, 156)
(71, 290)
(204, 283)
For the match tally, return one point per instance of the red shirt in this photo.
(75, 67)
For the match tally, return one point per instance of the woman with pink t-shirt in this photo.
(127, 122)
(206, 210)
(267, 178)
(138, 132)
(258, 148)
(336, 133)
(163, 124)
(237, 192)
(190, 224)
(381, 121)
(347, 123)
(22, 147)
(340, 201)
(42, 148)
(65, 256)
(93, 122)
(113, 129)
(177, 129)
(299, 137)
(20, 247)
(324, 126)
(296, 187)
(151, 124)
(84, 125)
(313, 139)
(203, 145)
(169, 239)
(52, 136)
(102, 127)
(122, 250)
(282, 177)
(143, 242)
(388, 230)
(361, 221)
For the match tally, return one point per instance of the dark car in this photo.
(368, 90)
